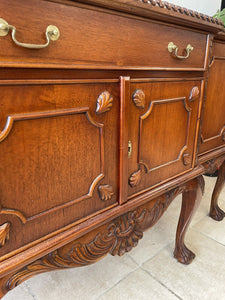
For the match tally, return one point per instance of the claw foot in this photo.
(184, 255)
(217, 213)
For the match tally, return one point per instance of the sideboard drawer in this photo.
(94, 39)
(55, 165)
(163, 126)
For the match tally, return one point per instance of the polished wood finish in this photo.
(100, 131)
(215, 211)
(191, 199)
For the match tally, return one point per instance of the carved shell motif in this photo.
(135, 178)
(105, 192)
(186, 159)
(139, 98)
(194, 94)
(4, 233)
(104, 102)
(223, 136)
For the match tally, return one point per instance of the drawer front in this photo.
(213, 125)
(95, 39)
(58, 156)
(163, 132)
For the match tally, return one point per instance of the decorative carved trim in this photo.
(14, 212)
(213, 164)
(12, 119)
(194, 94)
(4, 233)
(139, 98)
(186, 159)
(119, 237)
(221, 134)
(104, 103)
(147, 114)
(135, 178)
(105, 192)
(182, 10)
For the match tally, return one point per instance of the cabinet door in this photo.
(213, 126)
(58, 155)
(163, 124)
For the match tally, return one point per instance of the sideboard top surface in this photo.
(158, 10)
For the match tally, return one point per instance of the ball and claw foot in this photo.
(217, 213)
(184, 255)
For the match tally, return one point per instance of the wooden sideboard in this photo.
(106, 116)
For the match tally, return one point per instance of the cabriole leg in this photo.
(215, 212)
(190, 201)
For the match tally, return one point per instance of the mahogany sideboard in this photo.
(109, 110)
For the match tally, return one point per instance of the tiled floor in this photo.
(148, 271)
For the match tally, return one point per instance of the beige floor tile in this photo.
(203, 279)
(81, 283)
(155, 239)
(211, 228)
(20, 293)
(138, 285)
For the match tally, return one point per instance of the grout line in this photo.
(133, 260)
(29, 290)
(106, 291)
(162, 284)
(210, 238)
(119, 281)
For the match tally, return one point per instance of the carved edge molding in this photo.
(116, 238)
(4, 233)
(105, 192)
(104, 102)
(181, 10)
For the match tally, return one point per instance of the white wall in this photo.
(208, 7)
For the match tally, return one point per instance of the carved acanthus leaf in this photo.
(104, 102)
(135, 178)
(139, 98)
(4, 233)
(186, 159)
(214, 164)
(105, 192)
(119, 237)
(194, 94)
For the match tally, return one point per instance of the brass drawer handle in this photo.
(52, 33)
(173, 48)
